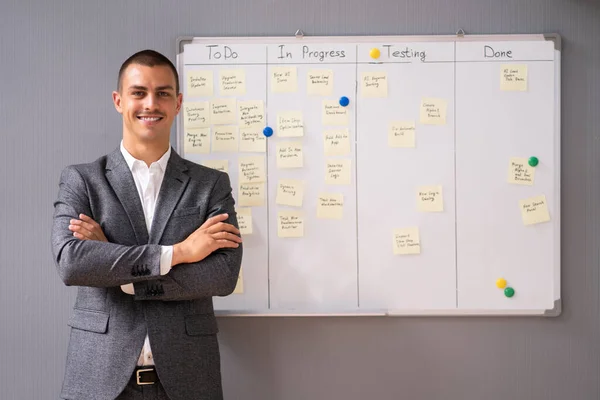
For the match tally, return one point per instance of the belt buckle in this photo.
(137, 376)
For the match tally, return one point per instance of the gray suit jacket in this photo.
(108, 326)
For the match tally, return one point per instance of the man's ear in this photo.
(117, 101)
(179, 101)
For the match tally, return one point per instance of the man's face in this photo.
(148, 103)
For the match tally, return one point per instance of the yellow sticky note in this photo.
(513, 77)
(196, 114)
(199, 84)
(534, 210)
(252, 169)
(406, 241)
(520, 172)
(337, 172)
(319, 82)
(290, 124)
(336, 142)
(401, 134)
(225, 138)
(433, 111)
(290, 192)
(219, 165)
(244, 218)
(239, 286)
(290, 224)
(223, 111)
(374, 84)
(197, 140)
(429, 199)
(284, 80)
(289, 155)
(334, 113)
(252, 140)
(251, 113)
(251, 194)
(233, 82)
(330, 206)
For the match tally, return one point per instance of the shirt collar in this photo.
(131, 160)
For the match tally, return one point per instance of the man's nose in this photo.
(151, 101)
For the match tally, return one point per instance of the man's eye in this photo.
(137, 93)
(163, 94)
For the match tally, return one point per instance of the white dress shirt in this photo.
(148, 182)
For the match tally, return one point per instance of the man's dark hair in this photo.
(148, 58)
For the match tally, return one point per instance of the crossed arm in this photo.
(205, 264)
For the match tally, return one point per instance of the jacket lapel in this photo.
(173, 186)
(120, 178)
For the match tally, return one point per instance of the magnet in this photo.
(268, 131)
(374, 53)
(344, 101)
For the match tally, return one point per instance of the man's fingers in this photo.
(79, 229)
(80, 236)
(222, 243)
(214, 220)
(227, 236)
(86, 225)
(223, 227)
(88, 219)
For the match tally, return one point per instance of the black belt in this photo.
(145, 375)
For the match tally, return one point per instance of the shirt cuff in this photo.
(128, 289)
(166, 258)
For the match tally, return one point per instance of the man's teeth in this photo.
(149, 118)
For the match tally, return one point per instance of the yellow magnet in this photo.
(375, 53)
(501, 283)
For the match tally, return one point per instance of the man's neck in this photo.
(147, 153)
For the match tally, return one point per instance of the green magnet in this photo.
(533, 161)
(509, 292)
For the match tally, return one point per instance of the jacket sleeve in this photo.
(216, 275)
(91, 262)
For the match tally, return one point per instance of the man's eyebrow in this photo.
(165, 87)
(138, 87)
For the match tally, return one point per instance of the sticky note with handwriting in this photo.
(319, 82)
(252, 140)
(336, 142)
(290, 192)
(289, 155)
(374, 84)
(337, 172)
(406, 241)
(251, 194)
(196, 114)
(433, 111)
(284, 80)
(513, 77)
(330, 206)
(290, 124)
(244, 218)
(401, 134)
(534, 210)
(290, 224)
(252, 169)
(200, 83)
(429, 199)
(233, 82)
(197, 140)
(225, 138)
(334, 114)
(251, 113)
(239, 286)
(223, 111)
(219, 165)
(520, 172)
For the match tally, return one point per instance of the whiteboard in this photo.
(476, 235)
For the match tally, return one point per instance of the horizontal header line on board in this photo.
(373, 63)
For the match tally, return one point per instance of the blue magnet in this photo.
(268, 131)
(344, 101)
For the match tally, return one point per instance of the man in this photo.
(148, 238)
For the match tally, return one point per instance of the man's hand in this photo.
(86, 228)
(214, 234)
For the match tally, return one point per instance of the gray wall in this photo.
(58, 61)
